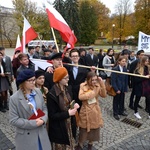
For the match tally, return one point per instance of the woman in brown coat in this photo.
(90, 117)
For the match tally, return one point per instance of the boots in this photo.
(78, 147)
(2, 108)
(89, 146)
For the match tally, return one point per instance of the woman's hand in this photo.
(72, 112)
(39, 122)
(118, 92)
(76, 105)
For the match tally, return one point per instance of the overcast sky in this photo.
(109, 3)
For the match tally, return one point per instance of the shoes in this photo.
(89, 146)
(78, 147)
(123, 114)
(148, 117)
(2, 110)
(116, 117)
(139, 106)
(137, 115)
(131, 107)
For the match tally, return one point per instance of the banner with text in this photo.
(144, 42)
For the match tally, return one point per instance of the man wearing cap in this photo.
(57, 62)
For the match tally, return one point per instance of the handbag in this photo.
(110, 90)
(102, 74)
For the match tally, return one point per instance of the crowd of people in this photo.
(50, 105)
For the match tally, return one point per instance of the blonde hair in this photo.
(141, 65)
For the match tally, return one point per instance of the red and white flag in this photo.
(18, 44)
(57, 22)
(28, 34)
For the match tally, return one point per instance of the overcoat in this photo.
(27, 132)
(90, 116)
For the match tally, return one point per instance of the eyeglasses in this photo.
(31, 80)
(66, 78)
(75, 56)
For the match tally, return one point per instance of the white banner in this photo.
(144, 42)
(43, 64)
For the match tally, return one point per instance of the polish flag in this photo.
(28, 34)
(18, 44)
(43, 64)
(57, 22)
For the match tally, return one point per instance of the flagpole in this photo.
(55, 40)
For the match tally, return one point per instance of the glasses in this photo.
(31, 80)
(75, 56)
(66, 78)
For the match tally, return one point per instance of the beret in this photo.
(25, 75)
(56, 55)
(39, 73)
(59, 74)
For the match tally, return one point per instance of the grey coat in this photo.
(27, 132)
(107, 64)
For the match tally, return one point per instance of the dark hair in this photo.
(74, 50)
(100, 51)
(91, 48)
(2, 48)
(109, 49)
(30, 48)
(37, 46)
(139, 52)
(17, 51)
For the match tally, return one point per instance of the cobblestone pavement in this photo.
(115, 135)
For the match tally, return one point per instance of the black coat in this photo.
(48, 80)
(57, 118)
(90, 61)
(75, 83)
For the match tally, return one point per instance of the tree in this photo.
(142, 11)
(8, 27)
(72, 15)
(122, 10)
(89, 23)
(37, 17)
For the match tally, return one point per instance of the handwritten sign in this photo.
(144, 42)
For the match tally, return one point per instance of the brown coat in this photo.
(90, 116)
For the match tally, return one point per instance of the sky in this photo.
(109, 3)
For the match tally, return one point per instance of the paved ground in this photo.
(115, 135)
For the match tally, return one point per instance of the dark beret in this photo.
(39, 73)
(56, 55)
(25, 75)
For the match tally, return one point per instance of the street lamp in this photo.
(113, 27)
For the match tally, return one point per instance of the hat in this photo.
(56, 55)
(39, 73)
(59, 74)
(25, 75)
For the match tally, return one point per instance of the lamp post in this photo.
(113, 27)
